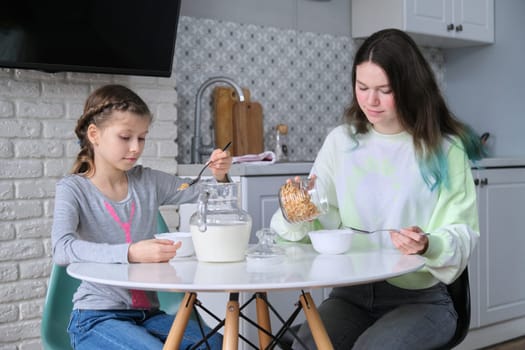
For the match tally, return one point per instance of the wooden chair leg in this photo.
(263, 320)
(231, 323)
(181, 321)
(319, 334)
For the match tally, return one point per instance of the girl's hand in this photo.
(152, 251)
(221, 162)
(410, 240)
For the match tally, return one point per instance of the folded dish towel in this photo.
(263, 158)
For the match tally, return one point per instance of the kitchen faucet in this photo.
(199, 149)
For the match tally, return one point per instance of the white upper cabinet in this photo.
(438, 23)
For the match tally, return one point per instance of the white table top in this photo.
(301, 268)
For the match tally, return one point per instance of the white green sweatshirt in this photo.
(379, 185)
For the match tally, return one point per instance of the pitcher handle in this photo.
(203, 208)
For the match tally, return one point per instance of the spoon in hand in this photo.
(358, 230)
(192, 182)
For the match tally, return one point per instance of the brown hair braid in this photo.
(98, 110)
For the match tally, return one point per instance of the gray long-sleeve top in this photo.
(88, 227)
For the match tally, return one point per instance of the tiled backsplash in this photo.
(301, 79)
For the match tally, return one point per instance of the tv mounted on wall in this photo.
(131, 37)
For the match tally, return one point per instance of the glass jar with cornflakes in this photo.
(302, 200)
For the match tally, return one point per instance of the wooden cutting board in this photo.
(247, 128)
(224, 98)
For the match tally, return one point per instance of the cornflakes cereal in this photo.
(183, 186)
(296, 203)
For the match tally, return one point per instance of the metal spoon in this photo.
(358, 230)
(195, 180)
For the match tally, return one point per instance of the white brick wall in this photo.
(38, 112)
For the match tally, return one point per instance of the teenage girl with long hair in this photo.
(400, 161)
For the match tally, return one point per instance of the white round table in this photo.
(301, 268)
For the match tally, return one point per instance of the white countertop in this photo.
(499, 162)
(247, 169)
(296, 168)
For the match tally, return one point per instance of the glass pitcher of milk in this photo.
(220, 229)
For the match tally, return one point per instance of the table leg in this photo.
(181, 321)
(319, 334)
(231, 323)
(263, 320)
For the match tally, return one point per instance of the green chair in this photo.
(57, 309)
(58, 303)
(169, 302)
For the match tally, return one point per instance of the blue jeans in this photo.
(380, 316)
(130, 329)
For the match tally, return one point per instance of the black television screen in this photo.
(132, 37)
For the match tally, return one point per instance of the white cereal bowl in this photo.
(186, 248)
(331, 241)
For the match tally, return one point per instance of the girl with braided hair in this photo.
(106, 211)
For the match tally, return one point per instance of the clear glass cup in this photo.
(302, 200)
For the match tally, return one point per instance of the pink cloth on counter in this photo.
(267, 157)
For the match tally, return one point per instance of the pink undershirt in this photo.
(138, 297)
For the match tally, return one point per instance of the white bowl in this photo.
(331, 241)
(186, 248)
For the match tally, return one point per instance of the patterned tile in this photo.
(301, 79)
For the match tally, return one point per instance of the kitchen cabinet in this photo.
(260, 198)
(438, 23)
(498, 283)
